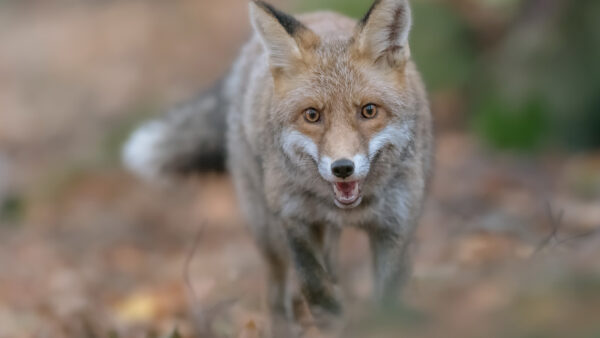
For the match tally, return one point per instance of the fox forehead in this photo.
(335, 73)
(334, 77)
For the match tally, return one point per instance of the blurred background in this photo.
(508, 244)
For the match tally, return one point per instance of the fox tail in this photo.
(186, 140)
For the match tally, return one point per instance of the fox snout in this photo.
(342, 168)
(346, 168)
(346, 177)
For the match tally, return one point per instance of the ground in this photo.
(507, 246)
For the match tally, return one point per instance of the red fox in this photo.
(323, 123)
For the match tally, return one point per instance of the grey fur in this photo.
(287, 204)
(188, 139)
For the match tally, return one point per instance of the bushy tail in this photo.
(188, 139)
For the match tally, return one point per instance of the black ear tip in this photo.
(364, 20)
(289, 23)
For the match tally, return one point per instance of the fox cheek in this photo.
(295, 144)
(325, 168)
(396, 136)
(362, 165)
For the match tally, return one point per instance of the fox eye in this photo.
(311, 115)
(369, 111)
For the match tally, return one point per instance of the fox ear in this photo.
(383, 32)
(285, 38)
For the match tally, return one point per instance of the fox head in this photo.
(342, 93)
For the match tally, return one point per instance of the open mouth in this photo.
(347, 194)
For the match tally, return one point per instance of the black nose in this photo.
(342, 168)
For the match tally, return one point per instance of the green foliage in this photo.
(555, 57)
(352, 8)
(514, 128)
(12, 209)
(441, 46)
(576, 88)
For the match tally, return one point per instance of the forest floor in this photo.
(507, 246)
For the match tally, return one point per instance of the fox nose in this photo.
(342, 168)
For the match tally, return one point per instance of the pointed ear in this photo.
(285, 38)
(383, 33)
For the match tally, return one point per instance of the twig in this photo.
(199, 316)
(188, 263)
(579, 236)
(555, 223)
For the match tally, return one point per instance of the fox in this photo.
(323, 122)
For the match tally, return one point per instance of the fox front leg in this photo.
(391, 264)
(315, 281)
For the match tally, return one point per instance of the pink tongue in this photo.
(346, 188)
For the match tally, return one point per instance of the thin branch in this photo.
(188, 263)
(200, 319)
(555, 222)
(579, 236)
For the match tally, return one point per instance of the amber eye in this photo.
(311, 115)
(369, 111)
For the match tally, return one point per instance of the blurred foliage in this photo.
(505, 127)
(352, 8)
(442, 46)
(12, 209)
(535, 83)
(555, 58)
